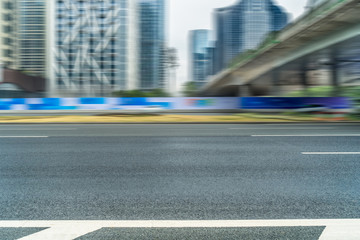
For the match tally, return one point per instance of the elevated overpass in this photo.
(327, 37)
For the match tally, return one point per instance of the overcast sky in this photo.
(187, 15)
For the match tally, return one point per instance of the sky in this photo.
(186, 15)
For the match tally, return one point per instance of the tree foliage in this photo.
(269, 40)
(328, 91)
(138, 93)
(190, 89)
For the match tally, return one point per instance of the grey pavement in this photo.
(181, 172)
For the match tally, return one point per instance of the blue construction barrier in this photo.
(84, 103)
(294, 103)
(171, 103)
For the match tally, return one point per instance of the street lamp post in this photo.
(334, 65)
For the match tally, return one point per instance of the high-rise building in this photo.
(31, 36)
(89, 48)
(7, 33)
(23, 35)
(210, 52)
(152, 47)
(279, 18)
(199, 45)
(243, 27)
(257, 22)
(93, 47)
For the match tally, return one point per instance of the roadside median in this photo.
(165, 118)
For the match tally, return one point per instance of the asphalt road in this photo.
(180, 172)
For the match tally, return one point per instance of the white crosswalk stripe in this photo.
(348, 229)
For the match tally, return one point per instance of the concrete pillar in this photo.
(335, 73)
(1, 72)
(304, 78)
(275, 79)
(244, 91)
(304, 73)
(334, 68)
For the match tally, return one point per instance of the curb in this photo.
(175, 123)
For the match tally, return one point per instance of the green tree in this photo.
(327, 91)
(138, 93)
(158, 93)
(190, 89)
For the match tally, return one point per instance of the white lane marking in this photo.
(348, 229)
(40, 129)
(351, 232)
(62, 232)
(331, 153)
(24, 136)
(281, 128)
(310, 135)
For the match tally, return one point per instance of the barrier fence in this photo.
(230, 103)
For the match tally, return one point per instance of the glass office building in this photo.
(8, 33)
(244, 26)
(152, 49)
(256, 22)
(23, 35)
(93, 47)
(199, 45)
(31, 36)
(228, 32)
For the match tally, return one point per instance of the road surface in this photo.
(274, 181)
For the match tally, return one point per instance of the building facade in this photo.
(152, 39)
(86, 48)
(199, 54)
(23, 35)
(93, 47)
(243, 27)
(8, 33)
(31, 36)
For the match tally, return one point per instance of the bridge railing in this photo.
(309, 17)
(290, 30)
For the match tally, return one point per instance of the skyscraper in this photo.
(257, 22)
(244, 26)
(93, 47)
(31, 36)
(23, 35)
(7, 33)
(152, 47)
(199, 44)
